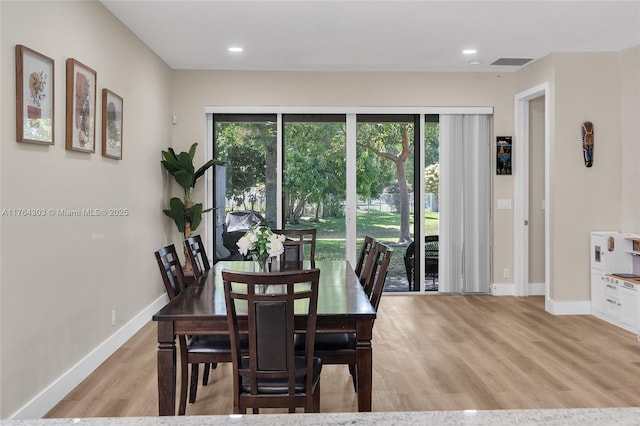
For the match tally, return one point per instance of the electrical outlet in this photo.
(506, 273)
(113, 317)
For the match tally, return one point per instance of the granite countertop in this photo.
(582, 417)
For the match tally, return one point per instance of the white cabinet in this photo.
(613, 299)
(597, 291)
(628, 293)
(616, 301)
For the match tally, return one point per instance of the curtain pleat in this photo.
(465, 171)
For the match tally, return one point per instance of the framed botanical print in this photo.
(111, 125)
(81, 107)
(34, 97)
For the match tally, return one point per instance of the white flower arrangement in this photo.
(261, 243)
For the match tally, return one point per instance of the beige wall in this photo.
(583, 87)
(629, 114)
(62, 276)
(587, 89)
(193, 90)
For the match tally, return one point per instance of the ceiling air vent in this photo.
(512, 61)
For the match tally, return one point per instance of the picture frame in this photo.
(35, 90)
(111, 125)
(81, 107)
(503, 155)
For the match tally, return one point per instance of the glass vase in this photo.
(262, 262)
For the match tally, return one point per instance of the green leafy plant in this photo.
(186, 215)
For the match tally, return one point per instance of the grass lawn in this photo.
(385, 227)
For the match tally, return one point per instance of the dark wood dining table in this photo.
(200, 309)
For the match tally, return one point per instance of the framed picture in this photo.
(34, 97)
(503, 155)
(81, 107)
(111, 125)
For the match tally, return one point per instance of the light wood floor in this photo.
(430, 353)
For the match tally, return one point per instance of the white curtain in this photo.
(465, 197)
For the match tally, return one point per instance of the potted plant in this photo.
(186, 215)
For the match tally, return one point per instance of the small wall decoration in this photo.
(111, 125)
(81, 107)
(587, 143)
(34, 97)
(503, 155)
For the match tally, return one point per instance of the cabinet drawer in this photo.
(612, 306)
(610, 289)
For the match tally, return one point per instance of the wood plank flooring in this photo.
(430, 353)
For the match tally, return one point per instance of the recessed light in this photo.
(235, 49)
(469, 51)
(475, 62)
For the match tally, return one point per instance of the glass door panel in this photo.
(246, 176)
(314, 179)
(431, 197)
(385, 181)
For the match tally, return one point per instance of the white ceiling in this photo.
(392, 35)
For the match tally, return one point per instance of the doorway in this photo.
(531, 126)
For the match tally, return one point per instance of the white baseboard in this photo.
(568, 308)
(56, 391)
(536, 289)
(509, 289)
(503, 289)
(551, 306)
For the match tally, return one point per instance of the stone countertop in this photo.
(565, 417)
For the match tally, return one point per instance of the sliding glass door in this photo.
(314, 179)
(245, 147)
(405, 179)
(385, 181)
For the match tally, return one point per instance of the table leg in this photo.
(166, 369)
(364, 370)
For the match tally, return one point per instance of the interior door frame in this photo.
(521, 189)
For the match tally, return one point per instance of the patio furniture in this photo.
(431, 250)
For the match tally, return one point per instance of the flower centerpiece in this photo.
(261, 243)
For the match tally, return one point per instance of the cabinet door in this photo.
(629, 304)
(597, 291)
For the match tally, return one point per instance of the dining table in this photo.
(200, 309)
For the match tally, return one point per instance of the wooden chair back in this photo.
(362, 256)
(271, 375)
(383, 256)
(371, 267)
(171, 270)
(197, 255)
(299, 246)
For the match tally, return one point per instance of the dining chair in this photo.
(362, 256)
(194, 350)
(199, 261)
(300, 245)
(370, 268)
(272, 375)
(197, 255)
(340, 348)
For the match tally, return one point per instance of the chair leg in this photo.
(194, 382)
(205, 374)
(316, 399)
(184, 375)
(354, 377)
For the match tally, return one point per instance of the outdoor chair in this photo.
(431, 250)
